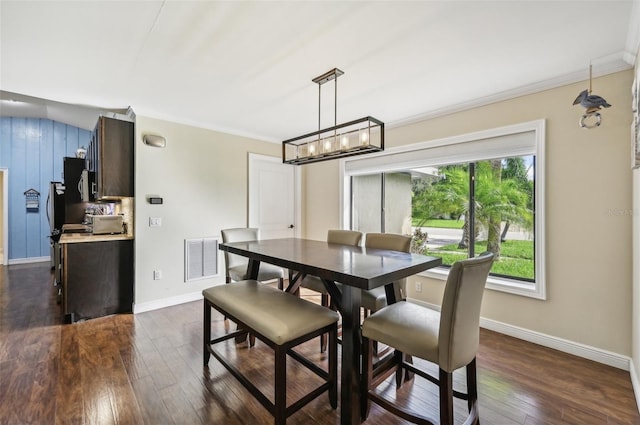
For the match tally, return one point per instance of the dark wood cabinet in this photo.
(97, 279)
(110, 159)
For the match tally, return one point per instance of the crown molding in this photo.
(633, 33)
(607, 65)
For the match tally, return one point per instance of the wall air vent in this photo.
(200, 258)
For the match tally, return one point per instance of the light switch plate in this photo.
(155, 221)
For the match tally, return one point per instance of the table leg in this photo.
(252, 269)
(351, 356)
(252, 273)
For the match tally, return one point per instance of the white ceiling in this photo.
(245, 67)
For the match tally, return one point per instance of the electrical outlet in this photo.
(157, 274)
(418, 286)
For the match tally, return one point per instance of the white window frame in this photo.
(480, 145)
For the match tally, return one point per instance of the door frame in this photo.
(297, 185)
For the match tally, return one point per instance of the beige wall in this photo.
(202, 177)
(635, 357)
(588, 182)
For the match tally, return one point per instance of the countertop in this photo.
(80, 237)
(89, 237)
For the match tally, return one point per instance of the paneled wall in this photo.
(33, 150)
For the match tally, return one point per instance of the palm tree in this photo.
(502, 194)
(451, 197)
(516, 169)
(499, 199)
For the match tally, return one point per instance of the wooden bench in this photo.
(282, 321)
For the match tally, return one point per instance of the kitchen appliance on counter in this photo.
(105, 224)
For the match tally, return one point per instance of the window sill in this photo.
(510, 286)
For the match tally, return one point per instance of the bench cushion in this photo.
(277, 315)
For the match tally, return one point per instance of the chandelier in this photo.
(355, 137)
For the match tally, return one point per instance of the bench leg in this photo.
(206, 333)
(280, 385)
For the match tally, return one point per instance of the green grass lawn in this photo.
(437, 222)
(516, 257)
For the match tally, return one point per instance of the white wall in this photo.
(202, 177)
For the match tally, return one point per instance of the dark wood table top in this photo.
(355, 266)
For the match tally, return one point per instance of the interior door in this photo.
(274, 201)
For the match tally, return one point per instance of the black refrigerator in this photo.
(55, 209)
(55, 216)
(74, 207)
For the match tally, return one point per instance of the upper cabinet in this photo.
(110, 159)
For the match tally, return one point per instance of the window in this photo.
(458, 197)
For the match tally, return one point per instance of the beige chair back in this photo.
(393, 242)
(390, 241)
(344, 237)
(459, 333)
(239, 234)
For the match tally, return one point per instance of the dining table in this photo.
(356, 269)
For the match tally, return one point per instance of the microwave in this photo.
(106, 224)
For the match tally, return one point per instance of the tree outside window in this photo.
(498, 193)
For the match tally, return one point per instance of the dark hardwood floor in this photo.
(146, 369)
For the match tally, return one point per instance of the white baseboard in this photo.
(577, 349)
(28, 260)
(635, 383)
(581, 350)
(167, 302)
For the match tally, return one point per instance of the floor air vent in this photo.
(200, 258)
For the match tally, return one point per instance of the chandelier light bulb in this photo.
(327, 145)
(364, 138)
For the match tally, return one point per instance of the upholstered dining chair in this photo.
(448, 338)
(314, 283)
(374, 299)
(236, 265)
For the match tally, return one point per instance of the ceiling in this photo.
(246, 67)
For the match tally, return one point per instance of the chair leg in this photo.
(400, 371)
(324, 301)
(472, 390)
(408, 375)
(227, 280)
(206, 334)
(280, 284)
(367, 377)
(446, 397)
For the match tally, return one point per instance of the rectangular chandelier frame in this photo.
(364, 135)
